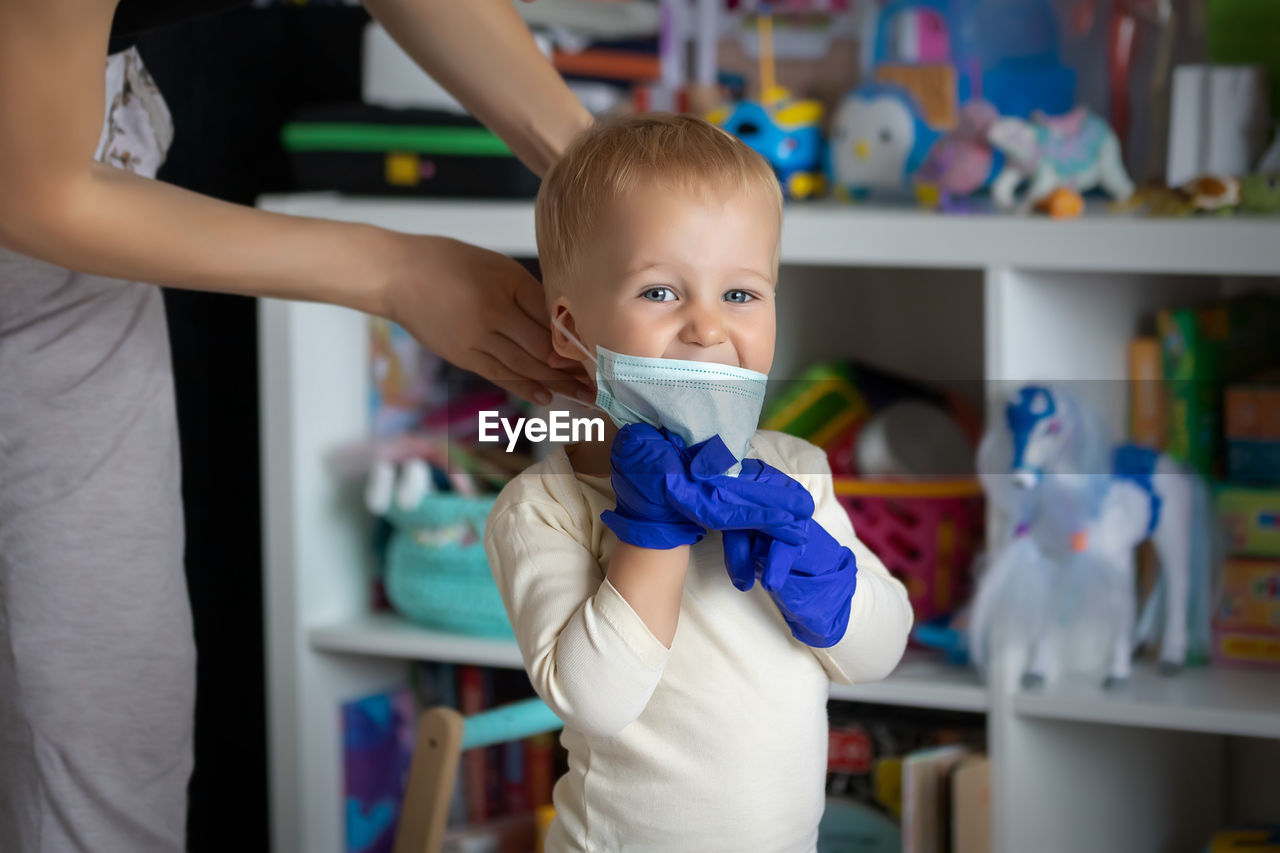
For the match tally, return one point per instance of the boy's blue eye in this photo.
(659, 294)
(738, 296)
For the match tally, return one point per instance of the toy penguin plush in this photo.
(878, 140)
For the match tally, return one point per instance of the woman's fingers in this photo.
(499, 374)
(525, 319)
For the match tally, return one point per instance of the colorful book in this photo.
(474, 763)
(377, 746)
(540, 767)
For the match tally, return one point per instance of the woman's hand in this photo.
(481, 311)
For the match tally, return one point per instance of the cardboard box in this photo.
(1250, 520)
(1249, 596)
(1253, 408)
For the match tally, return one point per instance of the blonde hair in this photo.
(608, 160)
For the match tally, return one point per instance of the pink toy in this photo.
(960, 163)
(926, 533)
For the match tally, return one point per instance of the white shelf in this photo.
(919, 681)
(846, 235)
(1200, 699)
(922, 681)
(388, 635)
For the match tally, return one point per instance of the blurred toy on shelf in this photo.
(878, 141)
(1076, 151)
(929, 58)
(961, 162)
(948, 633)
(830, 403)
(1122, 39)
(1076, 506)
(926, 532)
(1260, 193)
(786, 131)
(913, 438)
(1220, 195)
(814, 45)
(1061, 203)
(436, 570)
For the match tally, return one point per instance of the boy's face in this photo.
(677, 275)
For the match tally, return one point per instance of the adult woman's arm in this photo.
(475, 308)
(482, 52)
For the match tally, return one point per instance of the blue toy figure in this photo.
(785, 132)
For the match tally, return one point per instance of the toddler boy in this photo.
(695, 716)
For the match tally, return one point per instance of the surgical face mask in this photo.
(693, 399)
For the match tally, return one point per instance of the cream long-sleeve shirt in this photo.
(716, 744)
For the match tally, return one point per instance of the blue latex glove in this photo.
(811, 583)
(667, 493)
(643, 462)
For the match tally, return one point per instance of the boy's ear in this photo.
(562, 321)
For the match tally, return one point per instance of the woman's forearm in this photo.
(482, 52)
(115, 224)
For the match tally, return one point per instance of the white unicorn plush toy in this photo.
(1077, 506)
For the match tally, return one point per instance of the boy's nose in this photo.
(704, 327)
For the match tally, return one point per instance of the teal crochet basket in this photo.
(437, 574)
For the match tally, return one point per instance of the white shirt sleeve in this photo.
(588, 654)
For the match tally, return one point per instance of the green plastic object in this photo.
(1247, 32)
(380, 138)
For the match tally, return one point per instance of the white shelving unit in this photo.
(992, 299)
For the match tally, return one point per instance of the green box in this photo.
(1202, 348)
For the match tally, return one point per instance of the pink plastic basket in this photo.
(926, 533)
